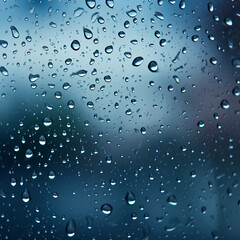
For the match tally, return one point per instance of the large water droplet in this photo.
(106, 209)
(75, 45)
(110, 3)
(4, 71)
(26, 196)
(28, 153)
(132, 13)
(153, 66)
(3, 43)
(42, 140)
(159, 15)
(236, 62)
(225, 104)
(172, 200)
(71, 228)
(130, 198)
(78, 12)
(91, 3)
(182, 4)
(137, 61)
(47, 121)
(87, 33)
(33, 77)
(14, 32)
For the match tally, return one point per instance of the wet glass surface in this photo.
(119, 119)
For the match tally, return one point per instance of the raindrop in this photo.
(15, 32)
(75, 45)
(51, 175)
(182, 4)
(163, 42)
(4, 71)
(71, 104)
(225, 104)
(110, 3)
(87, 33)
(33, 77)
(130, 198)
(159, 15)
(236, 62)
(28, 153)
(228, 21)
(91, 3)
(172, 200)
(3, 43)
(42, 140)
(236, 91)
(26, 196)
(137, 61)
(78, 12)
(132, 13)
(153, 66)
(47, 121)
(200, 124)
(106, 209)
(71, 228)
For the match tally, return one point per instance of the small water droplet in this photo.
(78, 12)
(47, 121)
(4, 71)
(33, 77)
(3, 43)
(132, 13)
(42, 140)
(159, 15)
(172, 200)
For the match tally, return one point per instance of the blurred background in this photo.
(119, 119)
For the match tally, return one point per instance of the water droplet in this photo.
(143, 130)
(3, 43)
(71, 104)
(130, 198)
(87, 33)
(132, 13)
(26, 196)
(162, 42)
(200, 124)
(213, 60)
(106, 209)
(71, 228)
(42, 140)
(15, 32)
(159, 15)
(51, 175)
(225, 104)
(172, 200)
(182, 4)
(236, 91)
(47, 121)
(109, 49)
(110, 3)
(153, 66)
(75, 45)
(137, 61)
(33, 77)
(78, 12)
(91, 3)
(228, 21)
(53, 24)
(90, 104)
(28, 153)
(236, 62)
(4, 71)
(210, 7)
